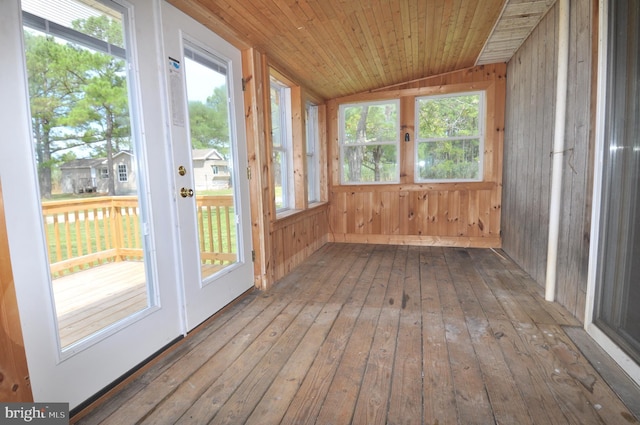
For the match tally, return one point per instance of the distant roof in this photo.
(84, 163)
(91, 162)
(206, 154)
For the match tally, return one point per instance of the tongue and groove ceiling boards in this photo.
(341, 47)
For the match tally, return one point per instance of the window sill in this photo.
(284, 218)
(286, 213)
(482, 185)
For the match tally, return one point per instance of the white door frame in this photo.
(78, 377)
(627, 364)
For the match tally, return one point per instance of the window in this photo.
(104, 173)
(281, 144)
(313, 162)
(123, 175)
(215, 170)
(449, 137)
(369, 142)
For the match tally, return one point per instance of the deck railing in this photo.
(84, 233)
(217, 229)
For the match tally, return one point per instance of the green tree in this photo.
(455, 118)
(356, 130)
(367, 127)
(209, 122)
(101, 115)
(78, 97)
(54, 71)
(101, 27)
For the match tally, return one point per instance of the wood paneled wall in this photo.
(451, 214)
(297, 237)
(528, 144)
(280, 242)
(14, 375)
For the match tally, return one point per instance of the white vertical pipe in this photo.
(558, 149)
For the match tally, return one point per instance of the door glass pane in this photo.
(211, 144)
(618, 295)
(88, 165)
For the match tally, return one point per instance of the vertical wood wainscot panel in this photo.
(297, 237)
(449, 217)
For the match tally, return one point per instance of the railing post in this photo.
(116, 229)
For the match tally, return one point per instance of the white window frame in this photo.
(343, 145)
(286, 144)
(480, 136)
(123, 173)
(313, 162)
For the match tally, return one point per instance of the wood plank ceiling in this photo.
(341, 47)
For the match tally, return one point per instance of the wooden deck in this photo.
(367, 334)
(93, 299)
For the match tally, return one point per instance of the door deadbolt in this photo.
(181, 170)
(184, 192)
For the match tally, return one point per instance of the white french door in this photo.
(191, 253)
(204, 82)
(72, 370)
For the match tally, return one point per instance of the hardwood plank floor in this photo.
(372, 334)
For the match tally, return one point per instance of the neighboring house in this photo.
(81, 175)
(88, 175)
(210, 170)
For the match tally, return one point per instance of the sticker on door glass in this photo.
(176, 92)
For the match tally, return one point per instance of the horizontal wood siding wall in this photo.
(530, 118)
(451, 214)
